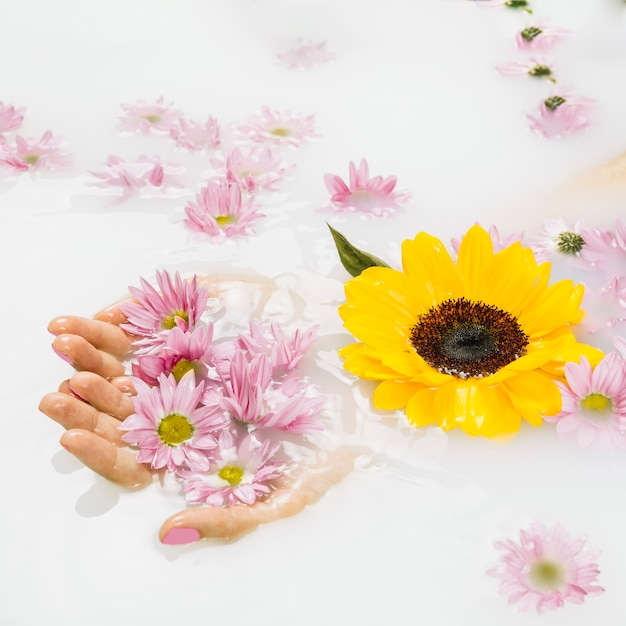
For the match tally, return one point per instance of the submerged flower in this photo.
(32, 154)
(370, 196)
(561, 114)
(144, 173)
(148, 117)
(180, 303)
(240, 473)
(559, 239)
(540, 36)
(169, 425)
(476, 344)
(522, 5)
(194, 136)
(536, 67)
(253, 169)
(219, 211)
(10, 117)
(305, 55)
(605, 250)
(594, 403)
(546, 569)
(497, 241)
(279, 127)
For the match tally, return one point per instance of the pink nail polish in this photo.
(63, 356)
(65, 447)
(78, 395)
(179, 536)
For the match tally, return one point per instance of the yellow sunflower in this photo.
(475, 344)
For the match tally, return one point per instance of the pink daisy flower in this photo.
(219, 211)
(594, 403)
(369, 196)
(194, 136)
(182, 352)
(561, 114)
(606, 250)
(253, 169)
(540, 36)
(620, 346)
(498, 242)
(131, 177)
(250, 398)
(305, 55)
(522, 5)
(240, 473)
(180, 303)
(277, 127)
(170, 426)
(10, 117)
(557, 238)
(537, 67)
(546, 569)
(148, 117)
(34, 154)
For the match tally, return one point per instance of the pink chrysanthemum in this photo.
(10, 117)
(557, 238)
(369, 196)
(277, 127)
(305, 55)
(540, 36)
(546, 569)
(594, 403)
(194, 136)
(170, 427)
(34, 154)
(606, 250)
(253, 169)
(536, 67)
(498, 242)
(148, 117)
(133, 176)
(180, 303)
(182, 352)
(561, 114)
(240, 473)
(219, 211)
(522, 5)
(251, 398)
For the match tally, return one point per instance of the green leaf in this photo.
(353, 259)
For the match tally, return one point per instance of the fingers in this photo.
(119, 465)
(82, 355)
(101, 394)
(234, 522)
(111, 315)
(102, 335)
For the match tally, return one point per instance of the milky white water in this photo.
(406, 538)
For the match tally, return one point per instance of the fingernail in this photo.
(78, 395)
(179, 536)
(63, 356)
(65, 447)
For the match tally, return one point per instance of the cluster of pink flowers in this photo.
(215, 411)
(561, 111)
(20, 154)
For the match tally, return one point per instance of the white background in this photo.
(405, 540)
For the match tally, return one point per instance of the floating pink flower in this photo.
(170, 427)
(605, 250)
(278, 127)
(540, 36)
(152, 315)
(10, 117)
(369, 196)
(561, 114)
(522, 5)
(557, 238)
(546, 569)
(305, 55)
(240, 473)
(148, 173)
(594, 403)
(498, 242)
(194, 136)
(251, 398)
(180, 353)
(29, 154)
(253, 169)
(537, 67)
(148, 117)
(219, 211)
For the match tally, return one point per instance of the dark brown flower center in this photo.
(468, 339)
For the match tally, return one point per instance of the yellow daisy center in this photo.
(280, 131)
(169, 321)
(468, 339)
(31, 159)
(231, 474)
(224, 220)
(596, 404)
(153, 118)
(182, 367)
(547, 575)
(175, 429)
